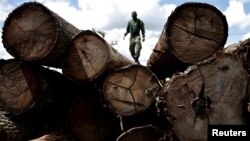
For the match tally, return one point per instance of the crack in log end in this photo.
(117, 85)
(181, 107)
(87, 55)
(133, 104)
(196, 35)
(224, 68)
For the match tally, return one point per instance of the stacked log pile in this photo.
(103, 96)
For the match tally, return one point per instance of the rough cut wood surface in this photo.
(130, 90)
(49, 111)
(142, 133)
(90, 121)
(225, 83)
(19, 86)
(162, 61)
(33, 32)
(196, 31)
(89, 56)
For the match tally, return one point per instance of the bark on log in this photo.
(162, 61)
(225, 84)
(241, 49)
(89, 56)
(29, 127)
(32, 32)
(130, 90)
(142, 133)
(54, 136)
(90, 121)
(193, 32)
(11, 131)
(19, 86)
(49, 108)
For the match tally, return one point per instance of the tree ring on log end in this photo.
(19, 86)
(195, 31)
(142, 133)
(130, 90)
(87, 58)
(30, 32)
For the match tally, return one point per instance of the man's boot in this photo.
(137, 61)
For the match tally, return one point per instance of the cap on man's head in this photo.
(134, 13)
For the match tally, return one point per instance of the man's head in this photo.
(134, 15)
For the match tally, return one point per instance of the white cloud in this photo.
(246, 36)
(243, 1)
(5, 8)
(236, 15)
(3, 53)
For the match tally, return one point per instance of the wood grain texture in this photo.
(49, 110)
(90, 121)
(241, 49)
(89, 56)
(196, 31)
(162, 61)
(19, 86)
(32, 32)
(190, 35)
(225, 82)
(130, 90)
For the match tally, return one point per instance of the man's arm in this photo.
(127, 31)
(143, 31)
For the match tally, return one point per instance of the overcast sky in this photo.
(111, 16)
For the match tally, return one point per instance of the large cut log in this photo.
(130, 90)
(32, 32)
(28, 113)
(89, 56)
(142, 133)
(19, 86)
(209, 93)
(193, 32)
(90, 121)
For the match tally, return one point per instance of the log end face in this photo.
(196, 31)
(17, 92)
(30, 32)
(130, 90)
(88, 57)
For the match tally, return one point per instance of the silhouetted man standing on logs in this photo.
(134, 27)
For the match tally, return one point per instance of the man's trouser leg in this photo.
(132, 47)
(137, 49)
